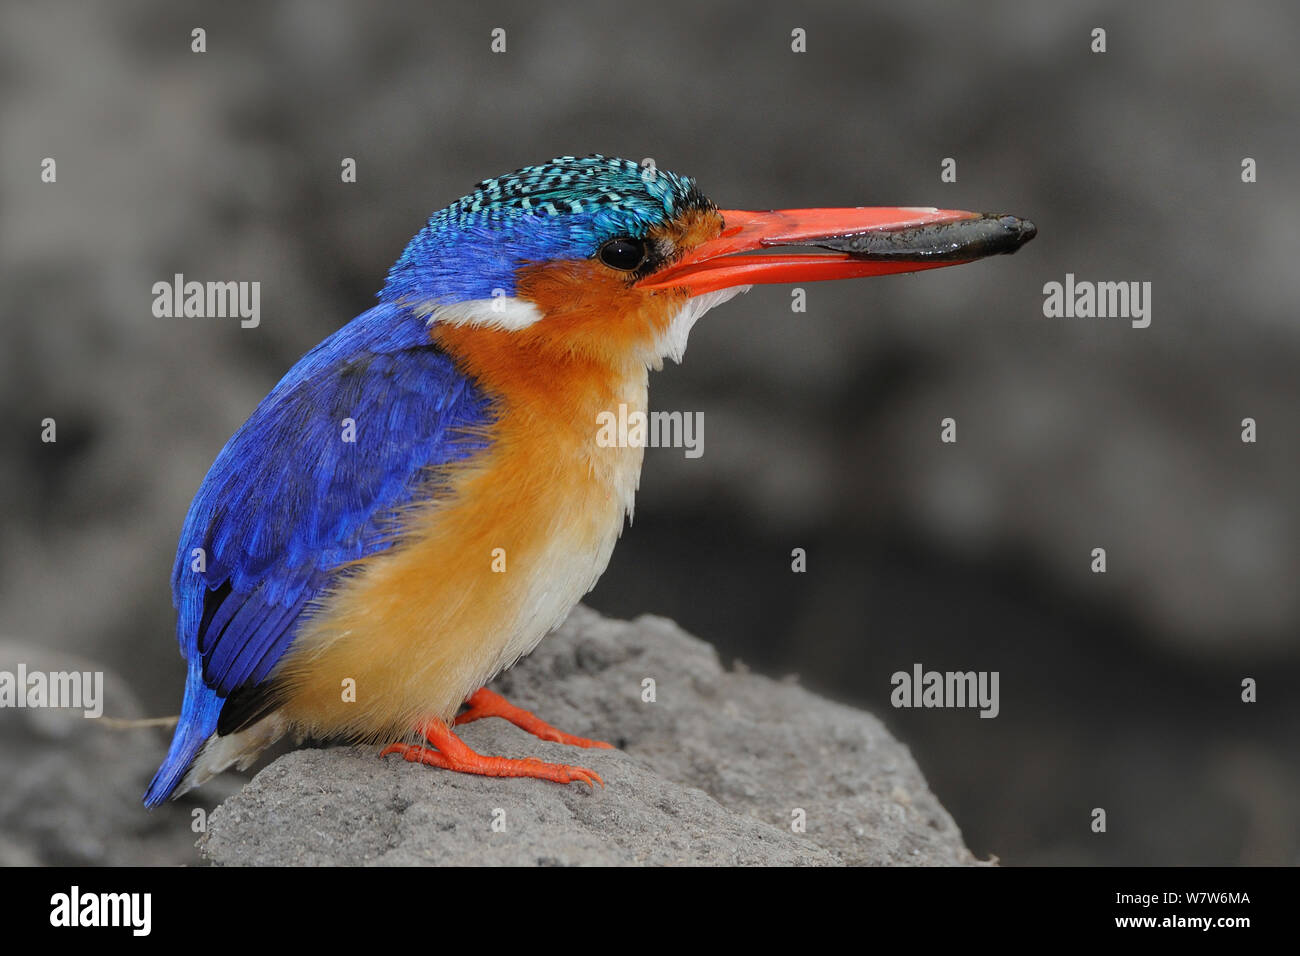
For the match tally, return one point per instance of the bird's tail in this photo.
(198, 722)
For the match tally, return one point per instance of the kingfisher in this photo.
(422, 497)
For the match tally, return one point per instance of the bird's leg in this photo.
(485, 703)
(452, 753)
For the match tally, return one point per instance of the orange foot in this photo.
(484, 703)
(454, 754)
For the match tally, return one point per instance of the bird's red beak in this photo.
(864, 241)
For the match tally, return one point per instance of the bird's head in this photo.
(609, 259)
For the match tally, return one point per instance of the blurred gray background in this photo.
(821, 429)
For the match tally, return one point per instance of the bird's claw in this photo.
(452, 753)
(485, 703)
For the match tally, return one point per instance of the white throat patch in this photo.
(499, 312)
(672, 343)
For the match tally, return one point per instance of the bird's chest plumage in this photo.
(479, 574)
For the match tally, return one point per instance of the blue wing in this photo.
(289, 500)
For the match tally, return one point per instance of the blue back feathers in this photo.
(288, 500)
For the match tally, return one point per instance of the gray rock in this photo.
(712, 772)
(72, 785)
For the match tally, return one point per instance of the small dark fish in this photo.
(987, 235)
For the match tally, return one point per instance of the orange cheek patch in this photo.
(590, 312)
(593, 311)
(597, 311)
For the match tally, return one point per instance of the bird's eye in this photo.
(626, 254)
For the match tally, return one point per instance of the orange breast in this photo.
(483, 572)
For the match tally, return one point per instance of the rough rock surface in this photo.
(72, 785)
(712, 771)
